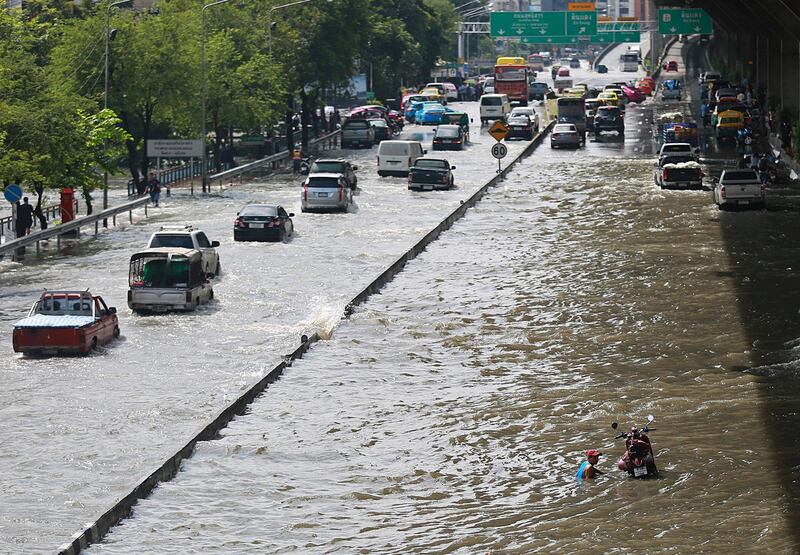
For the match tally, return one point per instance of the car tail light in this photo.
(188, 296)
(763, 190)
(665, 175)
(239, 223)
(274, 222)
(341, 193)
(554, 134)
(722, 191)
(305, 191)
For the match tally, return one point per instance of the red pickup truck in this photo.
(63, 322)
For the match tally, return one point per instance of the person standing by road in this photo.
(297, 158)
(24, 217)
(154, 188)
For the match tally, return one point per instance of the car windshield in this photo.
(327, 167)
(448, 132)
(323, 182)
(676, 148)
(164, 240)
(519, 119)
(521, 112)
(509, 74)
(565, 128)
(377, 123)
(72, 304)
(394, 149)
(608, 112)
(491, 101)
(432, 164)
(259, 210)
(357, 124)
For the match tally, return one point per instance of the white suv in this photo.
(187, 237)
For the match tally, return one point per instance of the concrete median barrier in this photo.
(95, 531)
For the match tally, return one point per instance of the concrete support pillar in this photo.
(774, 67)
(790, 75)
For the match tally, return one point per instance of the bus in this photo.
(536, 62)
(511, 78)
(629, 62)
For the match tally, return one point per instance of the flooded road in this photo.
(450, 413)
(83, 431)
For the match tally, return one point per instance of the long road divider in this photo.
(95, 531)
(74, 226)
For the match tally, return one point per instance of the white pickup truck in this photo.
(737, 188)
(678, 172)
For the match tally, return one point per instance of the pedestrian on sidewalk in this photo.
(786, 136)
(24, 218)
(154, 188)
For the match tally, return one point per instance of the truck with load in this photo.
(511, 77)
(573, 110)
(679, 171)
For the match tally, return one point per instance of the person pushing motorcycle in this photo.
(587, 469)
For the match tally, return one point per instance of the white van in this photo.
(397, 157)
(494, 107)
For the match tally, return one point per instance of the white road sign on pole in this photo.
(499, 150)
(164, 148)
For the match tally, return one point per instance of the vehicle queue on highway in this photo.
(175, 271)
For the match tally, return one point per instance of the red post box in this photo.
(67, 205)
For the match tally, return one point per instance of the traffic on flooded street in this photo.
(544, 303)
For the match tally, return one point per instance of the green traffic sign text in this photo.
(542, 24)
(684, 21)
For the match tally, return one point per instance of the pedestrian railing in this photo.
(325, 142)
(50, 212)
(184, 172)
(73, 227)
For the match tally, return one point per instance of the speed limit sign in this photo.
(499, 151)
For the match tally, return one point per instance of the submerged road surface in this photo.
(450, 413)
(81, 432)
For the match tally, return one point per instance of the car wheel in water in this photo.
(93, 346)
(218, 269)
(116, 332)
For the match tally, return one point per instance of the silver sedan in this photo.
(565, 134)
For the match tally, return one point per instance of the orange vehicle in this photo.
(644, 87)
(511, 76)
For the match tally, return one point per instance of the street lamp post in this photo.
(105, 91)
(204, 158)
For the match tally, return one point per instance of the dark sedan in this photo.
(262, 222)
(520, 126)
(382, 130)
(448, 137)
(609, 118)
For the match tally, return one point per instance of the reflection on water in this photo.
(449, 414)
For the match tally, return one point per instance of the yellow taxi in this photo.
(728, 123)
(609, 98)
(434, 94)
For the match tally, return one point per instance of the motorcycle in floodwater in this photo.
(638, 460)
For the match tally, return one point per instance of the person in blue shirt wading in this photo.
(587, 468)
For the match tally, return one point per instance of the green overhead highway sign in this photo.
(542, 24)
(683, 21)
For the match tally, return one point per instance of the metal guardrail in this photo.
(74, 226)
(49, 214)
(274, 161)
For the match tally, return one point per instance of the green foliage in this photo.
(54, 132)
